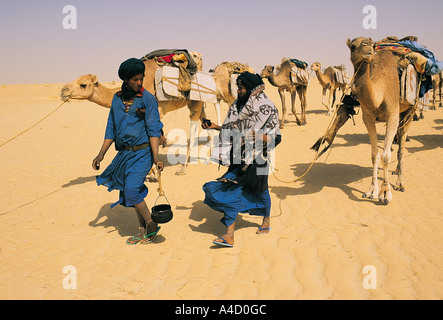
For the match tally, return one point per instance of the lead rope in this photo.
(1, 145)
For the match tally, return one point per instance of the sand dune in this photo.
(53, 215)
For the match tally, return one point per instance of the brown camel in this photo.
(87, 87)
(437, 83)
(282, 80)
(377, 88)
(226, 89)
(328, 81)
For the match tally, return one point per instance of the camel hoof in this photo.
(181, 172)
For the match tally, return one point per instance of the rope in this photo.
(209, 90)
(1, 145)
(323, 138)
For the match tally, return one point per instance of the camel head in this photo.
(81, 88)
(267, 71)
(362, 50)
(198, 58)
(316, 66)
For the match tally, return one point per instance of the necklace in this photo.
(128, 104)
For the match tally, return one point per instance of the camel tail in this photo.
(317, 146)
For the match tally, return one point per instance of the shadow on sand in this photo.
(120, 219)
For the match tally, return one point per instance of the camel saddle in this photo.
(299, 76)
(299, 72)
(341, 75)
(179, 58)
(411, 67)
(202, 86)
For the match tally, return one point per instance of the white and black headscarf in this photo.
(258, 113)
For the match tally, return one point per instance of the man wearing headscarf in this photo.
(136, 137)
(251, 120)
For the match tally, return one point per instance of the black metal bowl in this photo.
(161, 213)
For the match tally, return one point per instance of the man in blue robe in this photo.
(134, 126)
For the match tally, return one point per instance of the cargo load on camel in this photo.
(178, 77)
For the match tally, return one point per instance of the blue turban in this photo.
(131, 68)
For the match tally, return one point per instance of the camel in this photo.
(328, 80)
(87, 87)
(282, 80)
(437, 83)
(376, 86)
(226, 90)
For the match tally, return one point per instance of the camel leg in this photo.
(293, 98)
(217, 110)
(302, 90)
(402, 134)
(281, 92)
(385, 195)
(334, 92)
(434, 94)
(369, 121)
(212, 132)
(196, 110)
(323, 99)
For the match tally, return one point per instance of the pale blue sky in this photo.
(35, 48)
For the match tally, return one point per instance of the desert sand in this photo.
(325, 241)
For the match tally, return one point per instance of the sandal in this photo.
(148, 238)
(260, 230)
(134, 240)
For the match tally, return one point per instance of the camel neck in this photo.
(363, 82)
(103, 95)
(274, 80)
(321, 77)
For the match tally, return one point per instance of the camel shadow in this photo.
(438, 122)
(79, 180)
(321, 175)
(353, 140)
(209, 220)
(428, 142)
(317, 111)
(120, 219)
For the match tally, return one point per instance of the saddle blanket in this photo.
(166, 86)
(409, 85)
(300, 76)
(342, 76)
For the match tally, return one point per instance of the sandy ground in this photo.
(326, 241)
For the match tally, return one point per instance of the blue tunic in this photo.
(128, 170)
(232, 199)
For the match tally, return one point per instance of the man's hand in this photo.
(96, 162)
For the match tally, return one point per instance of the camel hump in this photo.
(300, 64)
(234, 67)
(166, 57)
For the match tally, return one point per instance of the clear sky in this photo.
(36, 47)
